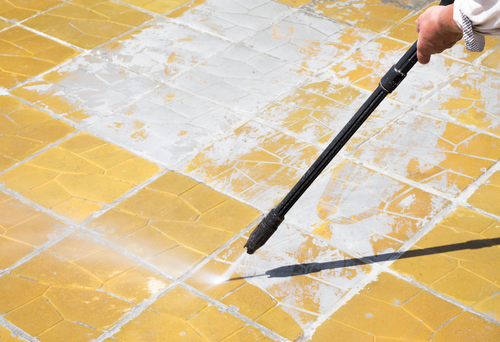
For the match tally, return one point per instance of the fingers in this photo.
(423, 56)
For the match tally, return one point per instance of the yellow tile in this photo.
(74, 246)
(12, 251)
(231, 216)
(146, 242)
(37, 230)
(248, 334)
(176, 261)
(203, 198)
(68, 331)
(490, 306)
(295, 3)
(77, 209)
(95, 188)
(48, 131)
(214, 325)
(157, 6)
(492, 61)
(381, 319)
(343, 332)
(48, 194)
(155, 205)
(14, 212)
(149, 326)
(48, 269)
(107, 156)
(82, 142)
(25, 54)
(115, 224)
(7, 336)
(20, 10)
(60, 160)
(425, 269)
(105, 263)
(205, 280)
(179, 303)
(34, 317)
(135, 170)
(281, 323)
(391, 290)
(465, 327)
(193, 235)
(172, 183)
(465, 287)
(430, 309)
(25, 177)
(250, 300)
(88, 24)
(93, 308)
(17, 291)
(137, 284)
(486, 197)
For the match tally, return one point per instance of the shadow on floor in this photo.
(302, 269)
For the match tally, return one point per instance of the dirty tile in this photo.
(101, 89)
(88, 24)
(157, 6)
(464, 262)
(486, 196)
(231, 19)
(242, 78)
(472, 99)
(319, 110)
(167, 124)
(18, 10)
(441, 154)
(255, 162)
(25, 130)
(165, 224)
(367, 66)
(161, 49)
(8, 336)
(378, 311)
(24, 54)
(79, 297)
(376, 16)
(310, 42)
(72, 184)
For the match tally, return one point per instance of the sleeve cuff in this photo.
(473, 42)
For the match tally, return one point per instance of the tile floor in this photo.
(142, 140)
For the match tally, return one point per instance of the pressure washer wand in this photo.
(387, 85)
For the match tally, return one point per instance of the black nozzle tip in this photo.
(263, 232)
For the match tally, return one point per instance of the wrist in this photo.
(446, 22)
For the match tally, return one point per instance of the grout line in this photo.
(16, 332)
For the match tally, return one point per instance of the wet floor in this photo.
(142, 140)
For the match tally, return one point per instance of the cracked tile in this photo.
(88, 24)
(68, 290)
(24, 54)
(441, 154)
(71, 182)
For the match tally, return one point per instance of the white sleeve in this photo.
(477, 18)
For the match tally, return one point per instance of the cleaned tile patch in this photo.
(18, 10)
(441, 154)
(487, 195)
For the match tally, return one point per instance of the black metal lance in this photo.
(387, 85)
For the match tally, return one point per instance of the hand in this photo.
(437, 31)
